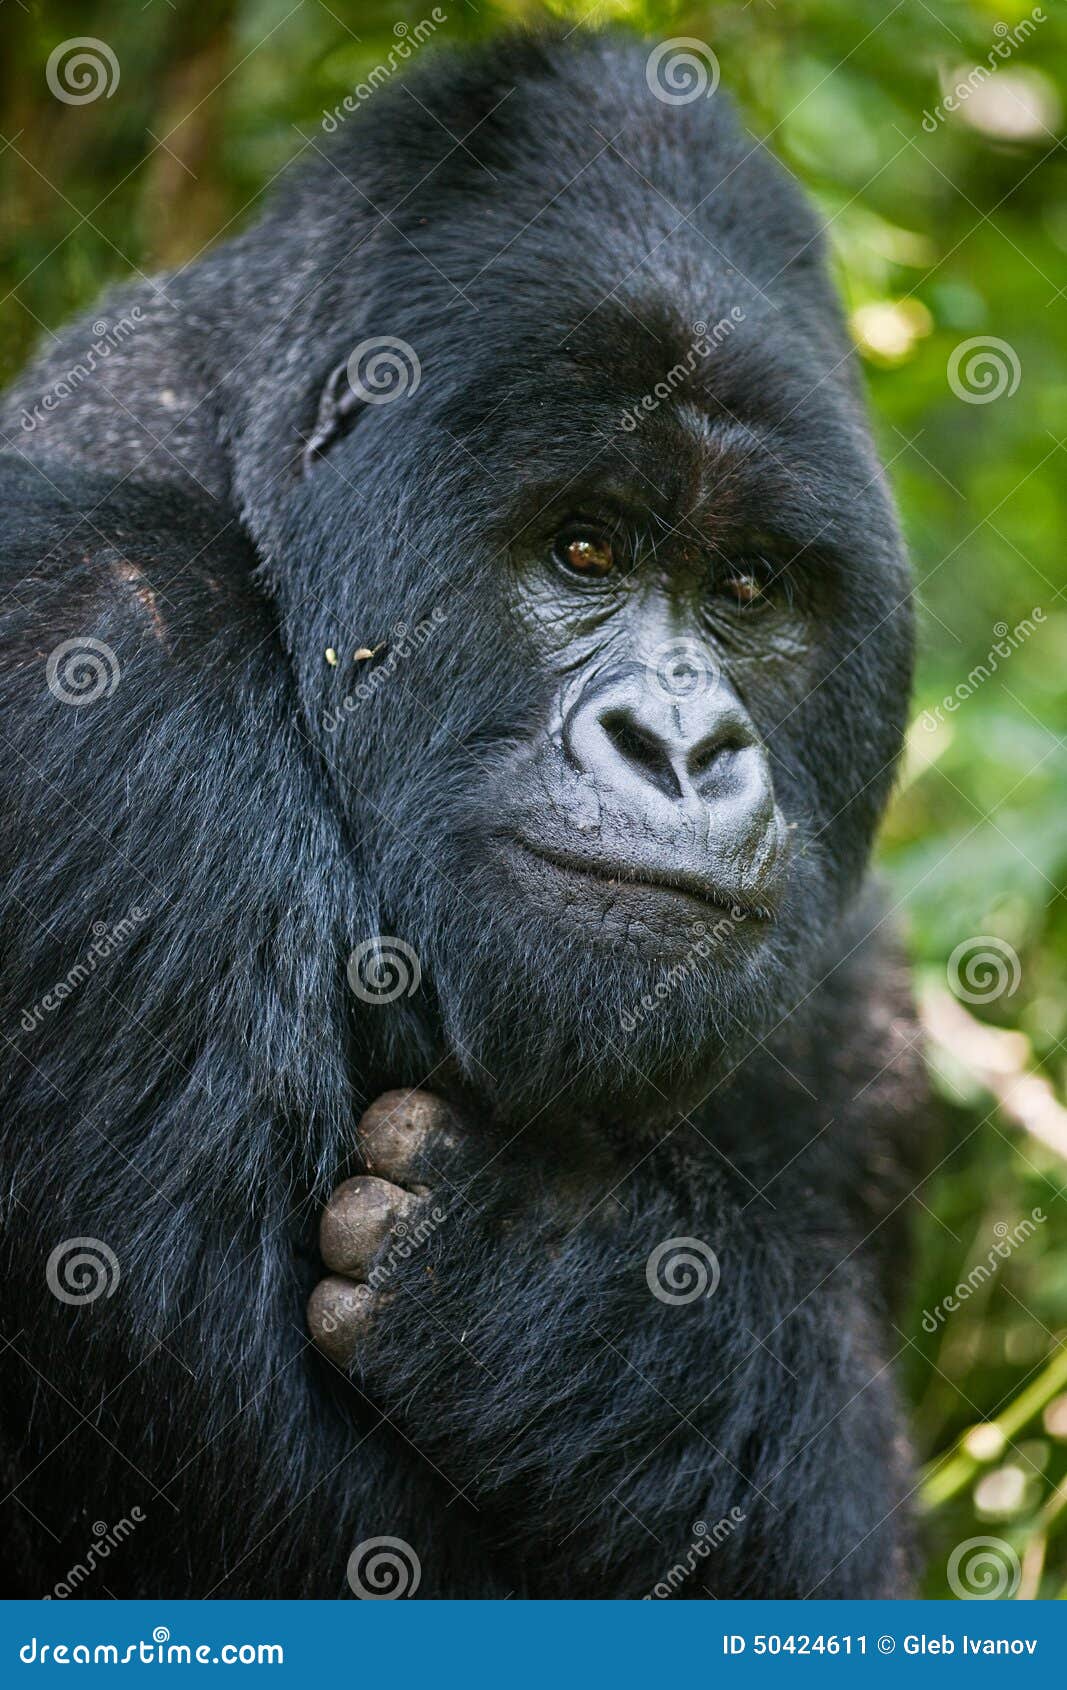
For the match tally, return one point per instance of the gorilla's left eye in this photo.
(584, 552)
(744, 589)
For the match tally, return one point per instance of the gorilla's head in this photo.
(580, 462)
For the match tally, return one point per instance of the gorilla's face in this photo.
(617, 779)
(645, 809)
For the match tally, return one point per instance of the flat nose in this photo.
(630, 735)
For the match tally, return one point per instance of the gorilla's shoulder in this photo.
(147, 706)
(140, 666)
(164, 581)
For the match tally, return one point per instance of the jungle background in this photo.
(948, 221)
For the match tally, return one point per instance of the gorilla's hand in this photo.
(508, 1321)
(377, 1221)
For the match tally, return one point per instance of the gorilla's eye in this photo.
(584, 552)
(744, 589)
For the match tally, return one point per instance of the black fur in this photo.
(203, 506)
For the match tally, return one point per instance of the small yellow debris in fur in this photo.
(362, 654)
(331, 657)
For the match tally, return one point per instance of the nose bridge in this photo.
(679, 705)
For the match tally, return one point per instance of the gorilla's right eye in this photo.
(584, 552)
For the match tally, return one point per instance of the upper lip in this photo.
(665, 879)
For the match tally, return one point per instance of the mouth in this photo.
(665, 883)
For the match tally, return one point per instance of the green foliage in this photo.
(942, 231)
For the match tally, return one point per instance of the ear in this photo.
(339, 408)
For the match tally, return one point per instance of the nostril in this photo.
(642, 749)
(716, 749)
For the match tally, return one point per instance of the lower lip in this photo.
(641, 891)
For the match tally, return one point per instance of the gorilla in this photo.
(460, 1090)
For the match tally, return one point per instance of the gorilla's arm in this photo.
(172, 889)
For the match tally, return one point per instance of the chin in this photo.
(635, 998)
